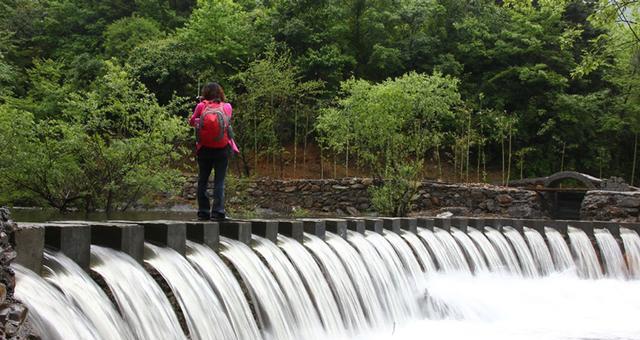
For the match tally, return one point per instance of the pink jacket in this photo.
(196, 115)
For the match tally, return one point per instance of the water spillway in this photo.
(188, 280)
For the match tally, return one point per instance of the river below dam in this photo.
(502, 307)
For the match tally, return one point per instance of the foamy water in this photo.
(500, 307)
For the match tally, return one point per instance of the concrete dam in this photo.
(355, 278)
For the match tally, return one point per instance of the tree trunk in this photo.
(635, 157)
(255, 144)
(321, 163)
(295, 142)
(346, 163)
(564, 145)
(503, 165)
(510, 153)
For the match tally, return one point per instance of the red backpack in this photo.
(213, 129)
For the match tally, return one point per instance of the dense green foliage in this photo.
(527, 87)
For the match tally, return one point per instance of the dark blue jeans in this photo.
(208, 160)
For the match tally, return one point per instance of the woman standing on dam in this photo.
(214, 144)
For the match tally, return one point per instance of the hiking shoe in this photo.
(219, 217)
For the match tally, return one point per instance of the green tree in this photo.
(273, 102)
(123, 35)
(387, 122)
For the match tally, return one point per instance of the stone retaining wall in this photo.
(12, 312)
(351, 196)
(611, 206)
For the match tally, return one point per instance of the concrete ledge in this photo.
(476, 222)
(409, 224)
(125, 237)
(426, 222)
(391, 224)
(442, 223)
(460, 223)
(315, 227)
(337, 226)
(374, 224)
(265, 228)
(171, 234)
(586, 226)
(236, 230)
(206, 233)
(72, 238)
(356, 225)
(293, 229)
(28, 242)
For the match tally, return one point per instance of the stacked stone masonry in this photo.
(350, 196)
(12, 313)
(611, 206)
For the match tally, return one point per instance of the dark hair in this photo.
(213, 92)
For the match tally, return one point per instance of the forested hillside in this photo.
(94, 93)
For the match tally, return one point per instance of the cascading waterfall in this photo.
(631, 242)
(398, 273)
(611, 254)
(406, 255)
(560, 251)
(397, 301)
(339, 281)
(50, 312)
(272, 310)
(314, 280)
(307, 319)
(494, 262)
(141, 301)
(195, 297)
(221, 279)
(498, 285)
(453, 250)
(420, 250)
(474, 256)
(79, 288)
(360, 277)
(527, 263)
(540, 251)
(504, 249)
(445, 262)
(585, 255)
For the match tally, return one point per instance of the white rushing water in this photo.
(474, 256)
(273, 313)
(540, 251)
(504, 249)
(78, 287)
(50, 312)
(357, 270)
(307, 320)
(453, 250)
(339, 281)
(314, 280)
(141, 301)
(437, 285)
(562, 258)
(506, 307)
(584, 254)
(445, 262)
(227, 288)
(398, 303)
(490, 253)
(420, 250)
(521, 248)
(631, 242)
(200, 306)
(611, 254)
